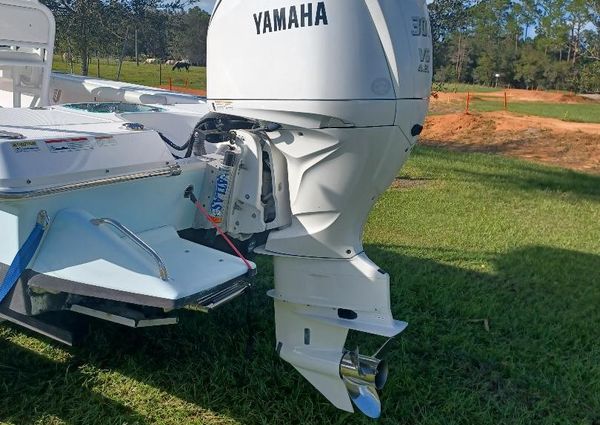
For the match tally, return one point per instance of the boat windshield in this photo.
(112, 107)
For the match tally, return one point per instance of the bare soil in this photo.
(516, 95)
(545, 140)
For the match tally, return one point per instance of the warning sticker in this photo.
(102, 141)
(22, 147)
(69, 145)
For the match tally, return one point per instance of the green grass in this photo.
(463, 88)
(479, 237)
(477, 88)
(144, 74)
(576, 112)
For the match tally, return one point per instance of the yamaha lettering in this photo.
(287, 18)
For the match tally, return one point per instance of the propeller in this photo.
(363, 377)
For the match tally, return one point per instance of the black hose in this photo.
(190, 148)
(173, 145)
(214, 126)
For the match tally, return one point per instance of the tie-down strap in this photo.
(24, 255)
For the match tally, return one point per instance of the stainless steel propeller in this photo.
(363, 377)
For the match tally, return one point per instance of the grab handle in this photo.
(162, 269)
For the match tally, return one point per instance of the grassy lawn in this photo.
(463, 88)
(474, 237)
(577, 112)
(145, 74)
(476, 88)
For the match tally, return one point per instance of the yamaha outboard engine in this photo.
(339, 90)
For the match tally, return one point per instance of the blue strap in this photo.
(22, 259)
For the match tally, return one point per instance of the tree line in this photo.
(129, 29)
(532, 44)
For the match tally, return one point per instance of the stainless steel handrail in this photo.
(162, 269)
(171, 170)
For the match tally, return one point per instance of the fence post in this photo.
(468, 103)
(170, 84)
(160, 73)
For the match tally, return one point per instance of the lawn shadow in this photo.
(35, 389)
(540, 309)
(521, 174)
(540, 303)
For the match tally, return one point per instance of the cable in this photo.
(173, 145)
(220, 231)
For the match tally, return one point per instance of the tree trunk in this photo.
(84, 61)
(82, 40)
(122, 56)
(459, 57)
(576, 36)
(570, 45)
(137, 57)
(70, 50)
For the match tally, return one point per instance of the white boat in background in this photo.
(126, 203)
(68, 88)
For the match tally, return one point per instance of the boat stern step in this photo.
(103, 259)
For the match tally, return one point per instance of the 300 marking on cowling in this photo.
(420, 27)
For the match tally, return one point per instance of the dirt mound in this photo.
(546, 140)
(505, 121)
(457, 126)
(573, 98)
(518, 95)
(515, 95)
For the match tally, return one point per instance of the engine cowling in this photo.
(348, 83)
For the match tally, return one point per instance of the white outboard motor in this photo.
(348, 84)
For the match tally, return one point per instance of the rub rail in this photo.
(171, 170)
